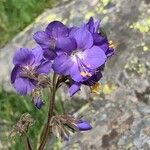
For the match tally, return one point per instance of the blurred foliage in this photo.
(17, 14)
(12, 106)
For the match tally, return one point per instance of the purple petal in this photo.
(90, 25)
(96, 26)
(94, 57)
(42, 39)
(57, 29)
(62, 64)
(15, 73)
(93, 26)
(66, 44)
(79, 72)
(83, 38)
(49, 54)
(84, 125)
(23, 86)
(72, 30)
(110, 52)
(38, 55)
(75, 73)
(45, 67)
(101, 41)
(74, 88)
(23, 57)
(38, 102)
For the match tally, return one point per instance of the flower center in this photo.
(28, 71)
(78, 56)
(77, 53)
(52, 43)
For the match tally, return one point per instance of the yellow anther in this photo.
(85, 74)
(95, 88)
(112, 45)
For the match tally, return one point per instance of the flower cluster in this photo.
(77, 55)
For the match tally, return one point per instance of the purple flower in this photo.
(38, 102)
(84, 125)
(81, 62)
(92, 26)
(98, 37)
(28, 65)
(54, 38)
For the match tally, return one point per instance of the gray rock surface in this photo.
(120, 115)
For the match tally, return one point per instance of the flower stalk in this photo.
(50, 113)
(28, 143)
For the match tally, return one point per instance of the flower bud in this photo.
(38, 102)
(84, 125)
(23, 124)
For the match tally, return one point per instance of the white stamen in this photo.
(77, 53)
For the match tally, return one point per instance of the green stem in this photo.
(50, 114)
(29, 146)
(28, 143)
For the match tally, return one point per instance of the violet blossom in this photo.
(28, 65)
(83, 125)
(100, 39)
(38, 102)
(81, 62)
(55, 38)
